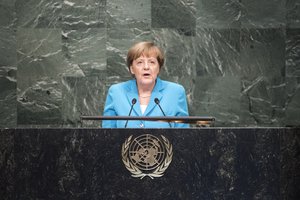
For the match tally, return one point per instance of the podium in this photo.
(207, 163)
(194, 120)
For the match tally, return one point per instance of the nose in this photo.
(146, 65)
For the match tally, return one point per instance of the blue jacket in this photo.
(172, 99)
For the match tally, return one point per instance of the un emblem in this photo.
(147, 155)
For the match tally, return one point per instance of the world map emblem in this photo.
(147, 155)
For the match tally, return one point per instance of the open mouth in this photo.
(146, 75)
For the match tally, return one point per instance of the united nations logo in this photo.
(147, 155)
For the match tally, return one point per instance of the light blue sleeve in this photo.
(182, 108)
(109, 110)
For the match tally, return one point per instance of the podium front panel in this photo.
(209, 163)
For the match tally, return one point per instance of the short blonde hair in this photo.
(147, 49)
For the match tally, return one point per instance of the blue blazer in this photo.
(172, 99)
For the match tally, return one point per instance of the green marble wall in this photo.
(238, 59)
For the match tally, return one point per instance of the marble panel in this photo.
(7, 164)
(38, 13)
(40, 69)
(263, 76)
(263, 14)
(8, 97)
(83, 14)
(292, 13)
(7, 13)
(8, 78)
(218, 97)
(39, 53)
(8, 2)
(83, 96)
(119, 40)
(218, 14)
(178, 50)
(266, 102)
(85, 50)
(217, 52)
(292, 57)
(292, 117)
(128, 14)
(40, 104)
(253, 41)
(262, 53)
(174, 14)
(7, 47)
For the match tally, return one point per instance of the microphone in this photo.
(133, 101)
(156, 100)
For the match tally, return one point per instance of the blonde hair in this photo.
(146, 49)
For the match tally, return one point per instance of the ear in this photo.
(131, 71)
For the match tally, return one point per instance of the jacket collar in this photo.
(133, 93)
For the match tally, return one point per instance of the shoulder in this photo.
(172, 86)
(121, 86)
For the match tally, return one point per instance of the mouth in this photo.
(146, 75)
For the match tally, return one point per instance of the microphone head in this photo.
(133, 101)
(156, 100)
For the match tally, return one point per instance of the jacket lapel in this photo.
(156, 93)
(131, 94)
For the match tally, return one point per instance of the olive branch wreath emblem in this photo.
(136, 172)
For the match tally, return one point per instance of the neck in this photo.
(145, 90)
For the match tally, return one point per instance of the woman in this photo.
(143, 95)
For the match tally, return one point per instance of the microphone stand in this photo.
(132, 104)
(156, 100)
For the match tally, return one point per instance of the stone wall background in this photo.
(237, 59)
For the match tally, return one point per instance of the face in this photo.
(145, 70)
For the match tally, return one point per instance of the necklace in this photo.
(144, 96)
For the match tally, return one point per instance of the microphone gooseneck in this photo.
(156, 100)
(133, 101)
